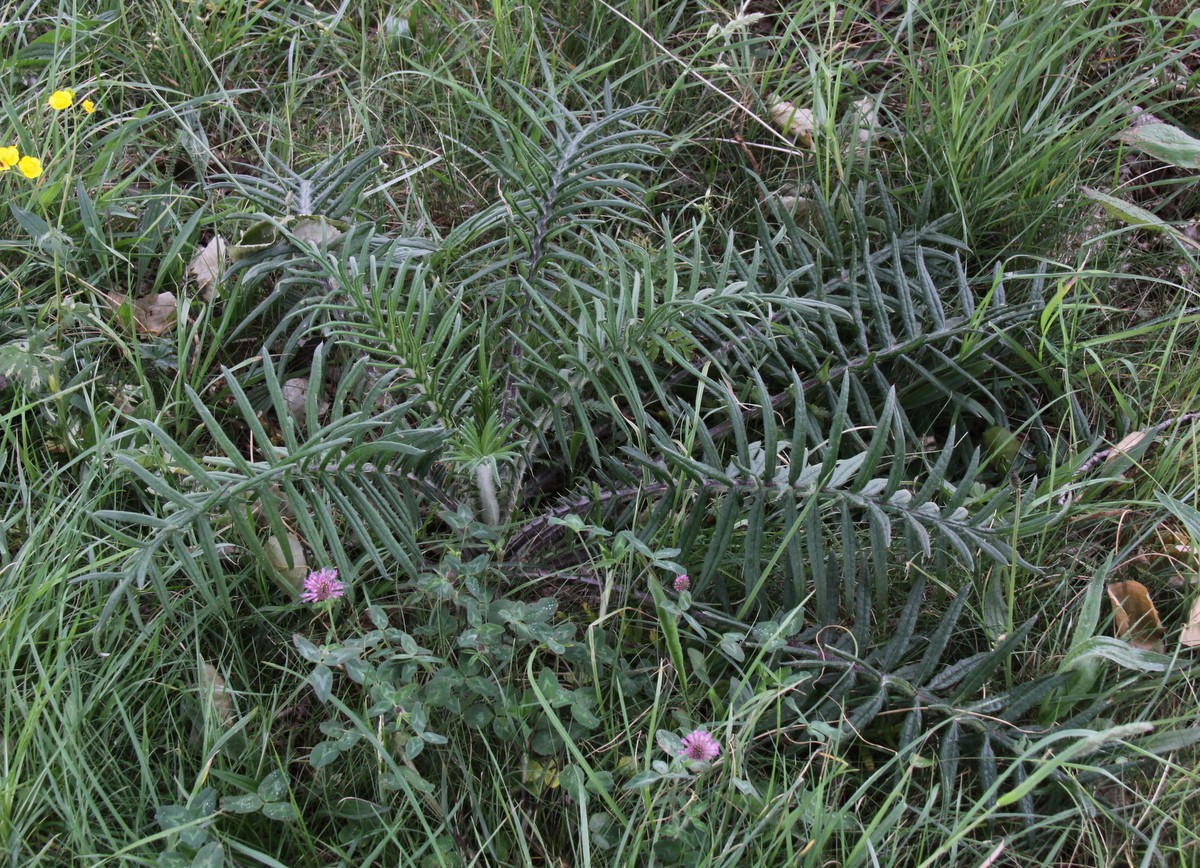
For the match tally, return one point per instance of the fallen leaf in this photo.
(1130, 442)
(295, 395)
(258, 238)
(538, 777)
(155, 314)
(1191, 630)
(794, 122)
(1130, 448)
(1135, 618)
(317, 231)
(215, 696)
(864, 120)
(207, 265)
(791, 199)
(293, 575)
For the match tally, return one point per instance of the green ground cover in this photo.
(756, 435)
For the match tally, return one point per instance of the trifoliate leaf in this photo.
(281, 811)
(244, 804)
(211, 855)
(273, 787)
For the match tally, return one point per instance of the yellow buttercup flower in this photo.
(61, 99)
(9, 158)
(30, 167)
(89, 106)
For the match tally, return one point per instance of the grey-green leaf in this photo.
(244, 804)
(274, 786)
(211, 855)
(1164, 142)
(281, 811)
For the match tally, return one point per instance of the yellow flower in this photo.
(89, 106)
(8, 158)
(30, 167)
(61, 99)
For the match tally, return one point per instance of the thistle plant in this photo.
(551, 459)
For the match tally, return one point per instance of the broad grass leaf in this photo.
(1164, 142)
(1127, 212)
(1115, 651)
(1132, 215)
(49, 239)
(670, 627)
(1135, 618)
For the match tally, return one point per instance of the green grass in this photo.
(526, 310)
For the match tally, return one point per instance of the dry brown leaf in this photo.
(798, 205)
(295, 395)
(797, 123)
(1135, 618)
(316, 231)
(1191, 630)
(215, 696)
(864, 114)
(207, 265)
(789, 196)
(1128, 444)
(279, 560)
(155, 314)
